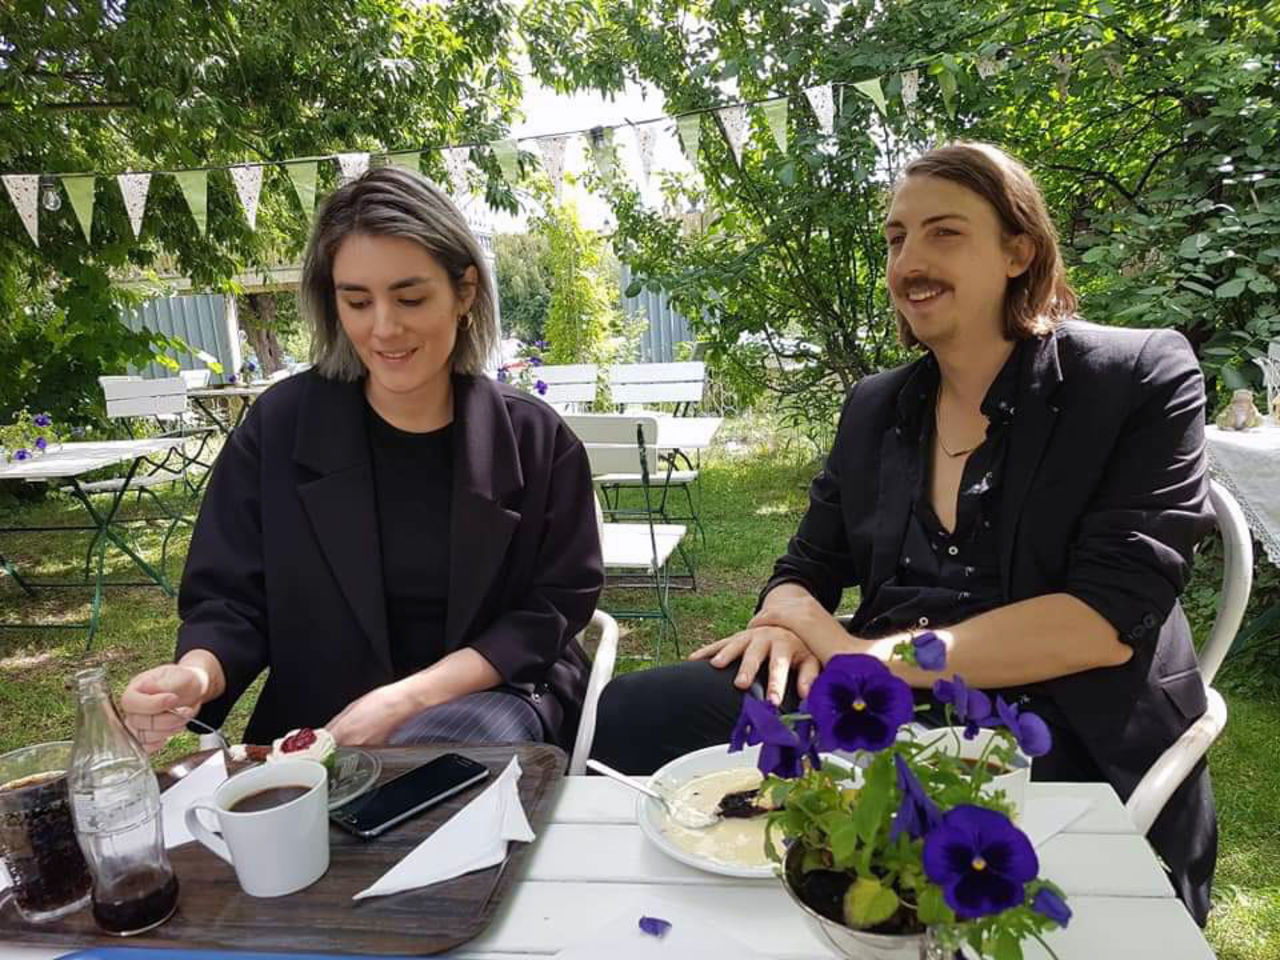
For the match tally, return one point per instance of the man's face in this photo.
(949, 260)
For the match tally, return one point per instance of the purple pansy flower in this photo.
(970, 704)
(250, 366)
(1049, 904)
(917, 814)
(42, 420)
(1028, 729)
(755, 718)
(981, 861)
(541, 387)
(23, 454)
(503, 376)
(41, 444)
(655, 926)
(857, 704)
(535, 361)
(782, 749)
(540, 344)
(931, 652)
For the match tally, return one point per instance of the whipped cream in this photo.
(320, 750)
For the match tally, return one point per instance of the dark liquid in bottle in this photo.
(141, 902)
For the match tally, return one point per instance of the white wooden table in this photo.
(687, 433)
(1248, 464)
(202, 397)
(592, 863)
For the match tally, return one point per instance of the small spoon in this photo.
(681, 813)
(213, 731)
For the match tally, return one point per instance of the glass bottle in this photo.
(115, 802)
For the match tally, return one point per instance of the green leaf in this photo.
(1231, 289)
(634, 289)
(1094, 254)
(1262, 285)
(1190, 247)
(844, 843)
(1007, 947)
(868, 902)
(932, 908)
(1199, 288)
(947, 84)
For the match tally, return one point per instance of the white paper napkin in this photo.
(693, 936)
(1046, 818)
(196, 785)
(472, 839)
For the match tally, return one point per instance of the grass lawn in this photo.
(753, 495)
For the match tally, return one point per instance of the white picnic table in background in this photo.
(1247, 462)
(201, 396)
(75, 459)
(687, 433)
(591, 863)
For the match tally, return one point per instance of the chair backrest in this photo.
(1237, 579)
(611, 442)
(568, 383)
(130, 397)
(657, 382)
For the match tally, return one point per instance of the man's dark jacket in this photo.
(284, 572)
(1105, 495)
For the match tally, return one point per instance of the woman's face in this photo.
(399, 309)
(949, 261)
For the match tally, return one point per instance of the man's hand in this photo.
(802, 615)
(781, 648)
(152, 693)
(371, 719)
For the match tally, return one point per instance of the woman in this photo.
(408, 547)
(1030, 489)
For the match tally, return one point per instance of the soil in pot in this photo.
(823, 892)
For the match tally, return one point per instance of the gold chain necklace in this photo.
(937, 431)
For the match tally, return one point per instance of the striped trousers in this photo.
(490, 716)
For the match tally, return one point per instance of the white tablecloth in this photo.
(1248, 464)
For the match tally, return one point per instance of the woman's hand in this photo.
(371, 719)
(781, 648)
(152, 693)
(820, 632)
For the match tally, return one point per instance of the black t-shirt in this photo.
(413, 487)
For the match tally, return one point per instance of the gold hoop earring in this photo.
(465, 321)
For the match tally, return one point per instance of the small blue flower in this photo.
(857, 704)
(22, 454)
(540, 344)
(535, 361)
(1031, 732)
(1049, 904)
(43, 420)
(655, 926)
(541, 387)
(931, 652)
(41, 444)
(231, 378)
(503, 376)
(917, 814)
(250, 366)
(971, 705)
(981, 861)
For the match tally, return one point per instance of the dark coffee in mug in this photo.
(266, 799)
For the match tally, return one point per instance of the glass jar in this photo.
(115, 801)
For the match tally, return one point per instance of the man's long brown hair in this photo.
(1040, 297)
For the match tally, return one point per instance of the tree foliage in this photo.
(524, 284)
(150, 84)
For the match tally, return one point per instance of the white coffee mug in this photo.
(275, 851)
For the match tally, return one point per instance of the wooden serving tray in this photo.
(214, 913)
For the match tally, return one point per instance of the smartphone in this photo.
(412, 792)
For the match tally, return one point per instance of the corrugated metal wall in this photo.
(204, 322)
(666, 327)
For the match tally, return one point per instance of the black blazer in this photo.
(1105, 496)
(284, 571)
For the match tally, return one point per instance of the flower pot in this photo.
(951, 741)
(857, 944)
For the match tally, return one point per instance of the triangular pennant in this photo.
(872, 90)
(646, 140)
(508, 156)
(735, 122)
(81, 192)
(910, 88)
(988, 67)
(248, 180)
(775, 114)
(552, 150)
(455, 162)
(1062, 63)
(134, 187)
(411, 161)
(690, 129)
(352, 165)
(303, 177)
(195, 187)
(824, 107)
(24, 191)
(601, 141)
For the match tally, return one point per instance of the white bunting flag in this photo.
(988, 67)
(824, 107)
(736, 123)
(24, 191)
(775, 114)
(689, 127)
(134, 187)
(455, 162)
(646, 140)
(552, 150)
(910, 88)
(600, 139)
(508, 156)
(247, 178)
(352, 166)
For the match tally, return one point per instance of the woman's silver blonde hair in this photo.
(392, 202)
